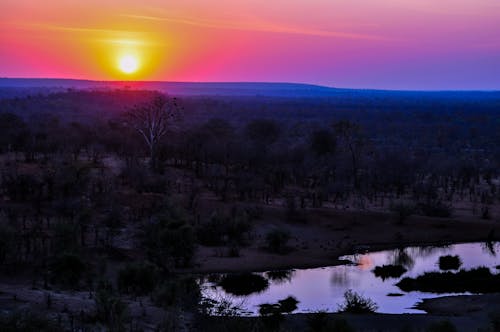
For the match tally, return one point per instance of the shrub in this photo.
(138, 279)
(182, 292)
(280, 276)
(221, 229)
(485, 213)
(389, 271)
(110, 309)
(449, 262)
(479, 280)
(212, 232)
(268, 309)
(65, 237)
(288, 304)
(68, 269)
(276, 241)
(244, 283)
(254, 212)
(223, 306)
(114, 217)
(322, 142)
(436, 208)
(27, 322)
(356, 304)
(402, 210)
(7, 242)
(170, 241)
(273, 313)
(293, 214)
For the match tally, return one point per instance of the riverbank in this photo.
(479, 305)
(364, 323)
(328, 234)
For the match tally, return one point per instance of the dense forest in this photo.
(111, 193)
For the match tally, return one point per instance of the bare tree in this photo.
(152, 121)
(349, 135)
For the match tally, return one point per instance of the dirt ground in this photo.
(325, 235)
(328, 234)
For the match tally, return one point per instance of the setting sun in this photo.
(128, 64)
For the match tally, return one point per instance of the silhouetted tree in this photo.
(350, 135)
(152, 121)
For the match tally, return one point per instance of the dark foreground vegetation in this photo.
(449, 262)
(106, 196)
(244, 284)
(389, 271)
(479, 280)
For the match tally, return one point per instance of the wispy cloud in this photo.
(108, 36)
(55, 27)
(259, 26)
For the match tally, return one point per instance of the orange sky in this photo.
(350, 43)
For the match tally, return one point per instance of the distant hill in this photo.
(177, 88)
(19, 87)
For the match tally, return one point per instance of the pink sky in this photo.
(393, 44)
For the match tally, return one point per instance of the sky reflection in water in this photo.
(323, 288)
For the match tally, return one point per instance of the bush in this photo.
(221, 229)
(443, 326)
(389, 271)
(110, 309)
(244, 283)
(288, 304)
(223, 306)
(293, 214)
(139, 279)
(479, 280)
(356, 304)
(170, 241)
(181, 292)
(7, 242)
(65, 237)
(276, 241)
(27, 322)
(254, 212)
(280, 276)
(436, 208)
(449, 262)
(68, 269)
(273, 313)
(402, 210)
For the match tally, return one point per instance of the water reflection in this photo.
(403, 258)
(243, 284)
(490, 248)
(340, 277)
(323, 288)
(280, 276)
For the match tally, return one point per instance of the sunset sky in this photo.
(390, 44)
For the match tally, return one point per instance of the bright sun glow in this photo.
(128, 64)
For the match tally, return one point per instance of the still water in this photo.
(323, 288)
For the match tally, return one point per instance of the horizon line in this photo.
(252, 82)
